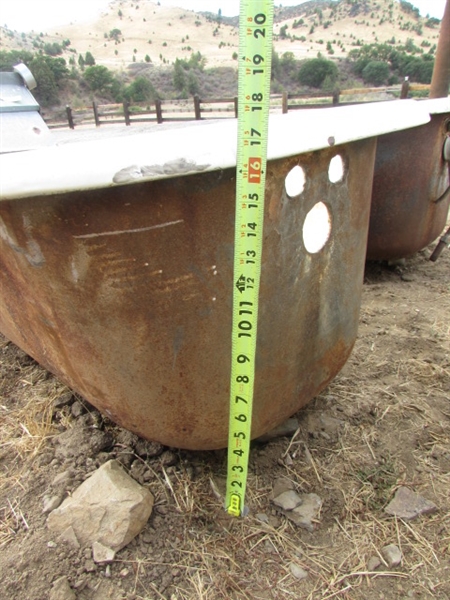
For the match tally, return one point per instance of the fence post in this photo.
(284, 102)
(126, 112)
(158, 107)
(70, 117)
(95, 109)
(236, 107)
(197, 109)
(405, 89)
(336, 94)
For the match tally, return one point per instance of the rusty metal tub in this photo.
(409, 203)
(116, 265)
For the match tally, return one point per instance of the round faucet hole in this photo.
(295, 181)
(336, 169)
(316, 228)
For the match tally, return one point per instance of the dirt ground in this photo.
(384, 422)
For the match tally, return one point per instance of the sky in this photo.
(24, 15)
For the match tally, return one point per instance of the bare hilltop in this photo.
(143, 31)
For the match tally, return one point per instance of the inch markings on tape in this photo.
(255, 58)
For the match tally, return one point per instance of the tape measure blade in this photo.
(255, 57)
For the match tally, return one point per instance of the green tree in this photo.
(99, 78)
(59, 69)
(419, 70)
(375, 72)
(89, 59)
(53, 49)
(283, 32)
(179, 75)
(47, 89)
(314, 71)
(9, 58)
(115, 34)
(276, 64)
(193, 85)
(141, 90)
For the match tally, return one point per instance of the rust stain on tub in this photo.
(132, 307)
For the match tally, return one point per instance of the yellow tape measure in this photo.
(255, 58)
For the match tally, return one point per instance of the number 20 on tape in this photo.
(255, 54)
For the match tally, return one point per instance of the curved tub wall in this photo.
(410, 174)
(116, 266)
(126, 293)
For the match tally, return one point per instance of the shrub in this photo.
(375, 72)
(99, 78)
(115, 34)
(313, 72)
(89, 60)
(140, 90)
(53, 49)
(419, 70)
(47, 89)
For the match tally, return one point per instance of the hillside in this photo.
(164, 34)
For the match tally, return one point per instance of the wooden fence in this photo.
(211, 108)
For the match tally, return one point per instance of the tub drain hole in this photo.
(316, 228)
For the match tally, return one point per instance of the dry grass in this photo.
(26, 422)
(392, 428)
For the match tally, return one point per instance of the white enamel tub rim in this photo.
(436, 106)
(203, 146)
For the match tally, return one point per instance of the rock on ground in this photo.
(109, 507)
(61, 590)
(297, 571)
(82, 441)
(301, 509)
(408, 505)
(392, 555)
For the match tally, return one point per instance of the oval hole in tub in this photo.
(316, 228)
(336, 169)
(295, 181)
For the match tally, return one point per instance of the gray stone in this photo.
(51, 502)
(109, 507)
(373, 563)
(288, 460)
(63, 478)
(148, 449)
(392, 555)
(297, 571)
(287, 428)
(77, 409)
(280, 485)
(63, 400)
(263, 518)
(82, 441)
(102, 554)
(89, 566)
(61, 590)
(288, 500)
(168, 458)
(307, 512)
(330, 424)
(68, 536)
(408, 505)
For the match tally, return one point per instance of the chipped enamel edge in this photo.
(195, 147)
